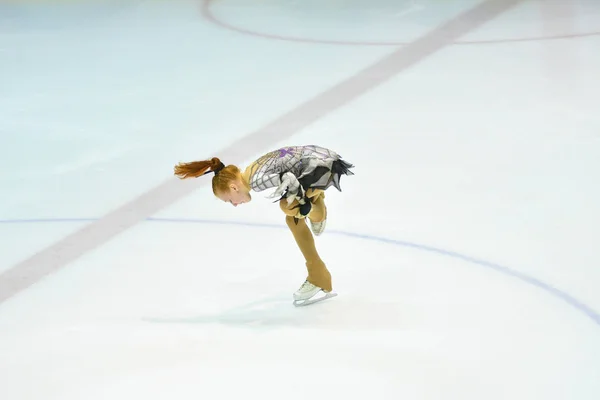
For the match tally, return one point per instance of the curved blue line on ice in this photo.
(564, 296)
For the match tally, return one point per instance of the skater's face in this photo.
(237, 194)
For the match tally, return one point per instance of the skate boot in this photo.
(306, 291)
(306, 294)
(317, 227)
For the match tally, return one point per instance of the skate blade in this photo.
(313, 300)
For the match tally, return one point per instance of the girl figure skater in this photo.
(300, 174)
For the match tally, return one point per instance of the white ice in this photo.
(487, 150)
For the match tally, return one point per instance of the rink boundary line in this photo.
(553, 291)
(73, 246)
(209, 16)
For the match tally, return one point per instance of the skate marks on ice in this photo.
(266, 311)
(344, 312)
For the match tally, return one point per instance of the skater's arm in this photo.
(287, 184)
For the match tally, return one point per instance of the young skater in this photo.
(300, 174)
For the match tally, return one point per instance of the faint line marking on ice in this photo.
(51, 259)
(210, 17)
(562, 295)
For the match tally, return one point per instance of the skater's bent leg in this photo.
(318, 211)
(317, 271)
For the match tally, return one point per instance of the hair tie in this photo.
(216, 170)
(219, 168)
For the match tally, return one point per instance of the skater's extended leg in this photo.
(318, 274)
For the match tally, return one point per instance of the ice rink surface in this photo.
(465, 250)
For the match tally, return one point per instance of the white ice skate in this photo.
(317, 227)
(307, 294)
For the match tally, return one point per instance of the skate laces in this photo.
(307, 285)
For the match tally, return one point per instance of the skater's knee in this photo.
(287, 208)
(295, 209)
(318, 211)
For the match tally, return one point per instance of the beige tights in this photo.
(317, 271)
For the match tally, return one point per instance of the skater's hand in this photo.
(289, 183)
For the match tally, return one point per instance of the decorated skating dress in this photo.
(296, 169)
